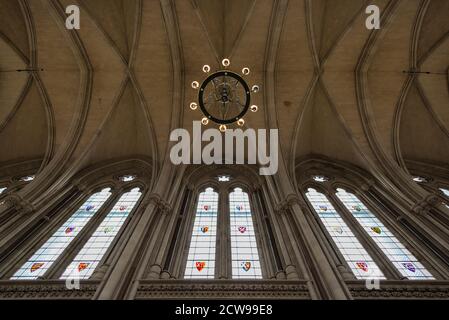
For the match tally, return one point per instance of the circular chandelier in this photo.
(224, 97)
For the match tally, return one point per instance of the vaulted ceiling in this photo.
(119, 85)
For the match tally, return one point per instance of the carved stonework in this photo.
(426, 204)
(288, 202)
(14, 200)
(401, 290)
(163, 206)
(183, 289)
(45, 290)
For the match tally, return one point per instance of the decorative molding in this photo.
(426, 204)
(401, 290)
(163, 206)
(21, 205)
(289, 201)
(222, 289)
(45, 290)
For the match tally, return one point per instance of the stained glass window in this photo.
(41, 261)
(358, 259)
(93, 251)
(201, 258)
(402, 259)
(245, 257)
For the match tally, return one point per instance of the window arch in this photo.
(93, 251)
(395, 251)
(223, 240)
(358, 259)
(245, 255)
(47, 254)
(201, 256)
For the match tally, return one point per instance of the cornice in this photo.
(177, 289)
(45, 290)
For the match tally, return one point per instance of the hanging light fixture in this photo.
(224, 97)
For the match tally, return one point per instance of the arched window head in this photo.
(201, 258)
(27, 178)
(420, 179)
(245, 256)
(358, 259)
(43, 259)
(320, 179)
(445, 191)
(127, 178)
(93, 251)
(401, 258)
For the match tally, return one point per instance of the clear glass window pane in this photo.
(42, 260)
(358, 259)
(245, 256)
(93, 251)
(445, 191)
(2, 190)
(402, 259)
(201, 258)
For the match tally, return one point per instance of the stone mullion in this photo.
(223, 260)
(327, 241)
(379, 257)
(67, 256)
(183, 245)
(287, 256)
(328, 283)
(40, 236)
(133, 261)
(25, 216)
(170, 253)
(124, 233)
(411, 215)
(430, 262)
(267, 258)
(161, 251)
(420, 224)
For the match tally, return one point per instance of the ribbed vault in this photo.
(117, 87)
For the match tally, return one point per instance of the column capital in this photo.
(424, 205)
(289, 201)
(22, 205)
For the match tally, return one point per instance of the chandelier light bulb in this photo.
(193, 106)
(223, 128)
(245, 71)
(195, 85)
(226, 63)
(206, 68)
(241, 122)
(204, 121)
(255, 88)
(254, 108)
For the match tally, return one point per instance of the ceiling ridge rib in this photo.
(197, 9)
(53, 171)
(104, 33)
(243, 29)
(12, 45)
(416, 30)
(24, 92)
(48, 107)
(344, 31)
(138, 90)
(386, 168)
